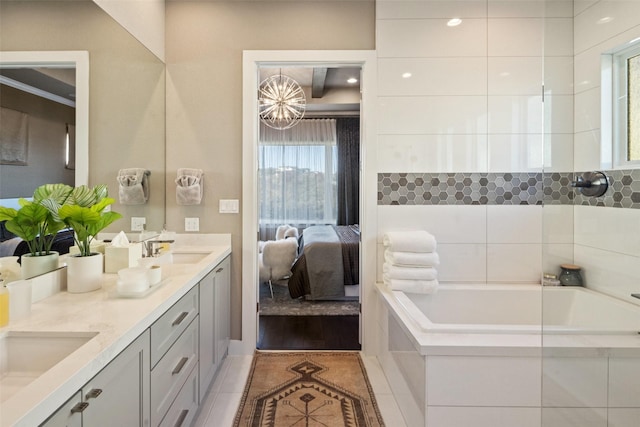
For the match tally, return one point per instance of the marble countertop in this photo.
(118, 321)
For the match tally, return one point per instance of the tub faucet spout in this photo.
(636, 295)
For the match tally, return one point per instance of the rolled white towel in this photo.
(411, 273)
(409, 241)
(412, 259)
(413, 286)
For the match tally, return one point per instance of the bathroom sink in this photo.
(175, 257)
(24, 356)
(188, 257)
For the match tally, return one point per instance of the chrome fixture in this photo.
(153, 247)
(281, 102)
(636, 295)
(591, 184)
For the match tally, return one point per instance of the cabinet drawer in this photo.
(168, 328)
(184, 408)
(171, 372)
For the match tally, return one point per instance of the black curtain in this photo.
(348, 142)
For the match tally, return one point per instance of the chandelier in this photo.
(281, 102)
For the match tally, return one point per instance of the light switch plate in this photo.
(192, 224)
(229, 206)
(137, 223)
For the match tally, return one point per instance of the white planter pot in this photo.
(84, 274)
(36, 265)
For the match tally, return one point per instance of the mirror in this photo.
(27, 89)
(120, 117)
(120, 94)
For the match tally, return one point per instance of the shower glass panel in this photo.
(590, 355)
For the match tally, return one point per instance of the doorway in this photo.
(308, 209)
(253, 60)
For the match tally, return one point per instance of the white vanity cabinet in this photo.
(214, 322)
(160, 378)
(117, 396)
(172, 371)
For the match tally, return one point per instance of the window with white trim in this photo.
(626, 105)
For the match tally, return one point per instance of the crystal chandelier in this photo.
(281, 102)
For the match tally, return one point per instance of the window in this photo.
(297, 176)
(626, 105)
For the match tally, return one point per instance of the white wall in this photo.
(607, 239)
(474, 104)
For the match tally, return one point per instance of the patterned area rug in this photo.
(283, 305)
(308, 389)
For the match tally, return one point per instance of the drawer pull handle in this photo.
(219, 270)
(79, 407)
(180, 318)
(93, 393)
(179, 366)
(181, 418)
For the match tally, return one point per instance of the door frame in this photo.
(252, 61)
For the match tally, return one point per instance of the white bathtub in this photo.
(519, 309)
(479, 355)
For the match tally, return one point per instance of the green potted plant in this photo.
(37, 223)
(86, 213)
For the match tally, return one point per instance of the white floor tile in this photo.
(224, 410)
(376, 376)
(236, 375)
(389, 409)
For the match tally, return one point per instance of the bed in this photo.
(328, 261)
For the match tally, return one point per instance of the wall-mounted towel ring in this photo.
(133, 186)
(190, 183)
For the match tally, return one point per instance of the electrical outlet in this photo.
(192, 224)
(229, 206)
(137, 223)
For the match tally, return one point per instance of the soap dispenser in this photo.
(4, 304)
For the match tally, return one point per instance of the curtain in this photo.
(297, 176)
(348, 142)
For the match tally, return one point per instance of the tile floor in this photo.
(220, 405)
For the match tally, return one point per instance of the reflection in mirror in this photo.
(47, 93)
(126, 111)
(44, 100)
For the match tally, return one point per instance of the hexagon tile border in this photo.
(517, 188)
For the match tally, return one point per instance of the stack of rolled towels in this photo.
(410, 261)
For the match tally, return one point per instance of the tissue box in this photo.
(117, 258)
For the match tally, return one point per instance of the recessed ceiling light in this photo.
(605, 20)
(454, 22)
(352, 80)
(406, 75)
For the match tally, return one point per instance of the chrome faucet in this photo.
(152, 246)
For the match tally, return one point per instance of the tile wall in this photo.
(471, 114)
(607, 239)
(472, 108)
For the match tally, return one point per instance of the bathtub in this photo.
(481, 355)
(508, 309)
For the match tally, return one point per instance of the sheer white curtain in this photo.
(297, 176)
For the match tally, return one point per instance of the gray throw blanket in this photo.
(323, 254)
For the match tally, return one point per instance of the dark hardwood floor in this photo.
(308, 333)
